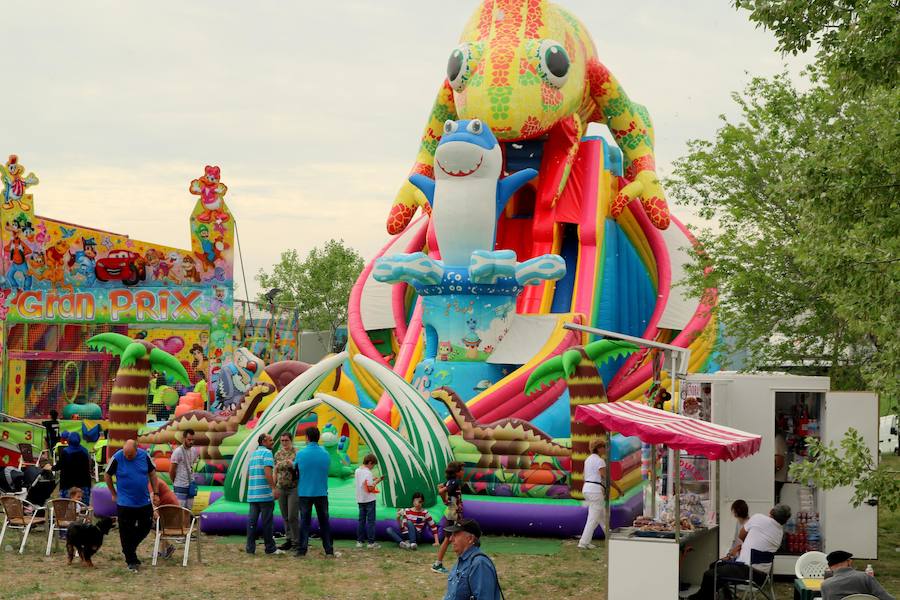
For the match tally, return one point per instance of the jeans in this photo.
(411, 535)
(265, 511)
(134, 525)
(366, 526)
(185, 500)
(85, 494)
(321, 505)
(596, 504)
(288, 504)
(734, 570)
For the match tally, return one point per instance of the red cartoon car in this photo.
(121, 265)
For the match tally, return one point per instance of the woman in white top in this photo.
(594, 491)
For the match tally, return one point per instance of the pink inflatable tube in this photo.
(663, 288)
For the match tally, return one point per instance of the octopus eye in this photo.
(474, 126)
(450, 126)
(458, 67)
(555, 63)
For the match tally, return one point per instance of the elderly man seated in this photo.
(846, 580)
(762, 533)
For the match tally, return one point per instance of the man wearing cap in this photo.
(474, 574)
(761, 533)
(847, 580)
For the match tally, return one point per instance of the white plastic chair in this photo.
(178, 524)
(811, 565)
(62, 513)
(14, 517)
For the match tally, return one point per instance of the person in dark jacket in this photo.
(74, 468)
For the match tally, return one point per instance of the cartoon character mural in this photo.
(64, 272)
(236, 377)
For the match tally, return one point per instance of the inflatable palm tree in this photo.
(128, 403)
(578, 366)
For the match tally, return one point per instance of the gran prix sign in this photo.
(114, 305)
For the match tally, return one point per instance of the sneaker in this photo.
(413, 546)
(359, 544)
(170, 550)
(334, 555)
(298, 554)
(276, 552)
(404, 545)
(439, 568)
(373, 546)
(286, 546)
(587, 546)
(133, 568)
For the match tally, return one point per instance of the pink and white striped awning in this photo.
(676, 431)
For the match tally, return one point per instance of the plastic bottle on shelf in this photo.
(870, 571)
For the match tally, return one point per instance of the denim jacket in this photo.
(473, 576)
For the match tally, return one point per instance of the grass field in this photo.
(529, 568)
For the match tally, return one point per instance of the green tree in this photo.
(857, 41)
(829, 467)
(317, 287)
(806, 254)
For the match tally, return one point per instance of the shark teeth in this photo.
(460, 172)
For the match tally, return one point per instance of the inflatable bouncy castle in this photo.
(458, 347)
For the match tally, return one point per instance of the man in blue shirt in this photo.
(134, 472)
(312, 491)
(474, 574)
(261, 494)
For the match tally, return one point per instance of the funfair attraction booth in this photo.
(61, 284)
(785, 410)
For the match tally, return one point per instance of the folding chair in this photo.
(26, 455)
(64, 512)
(748, 587)
(14, 517)
(176, 523)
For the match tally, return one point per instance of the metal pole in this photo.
(628, 338)
(653, 480)
(677, 477)
(606, 487)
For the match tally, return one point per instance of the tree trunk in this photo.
(585, 387)
(128, 404)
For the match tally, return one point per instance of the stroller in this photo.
(12, 481)
(40, 485)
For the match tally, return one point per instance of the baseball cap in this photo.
(467, 525)
(838, 556)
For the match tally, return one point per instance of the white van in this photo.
(888, 441)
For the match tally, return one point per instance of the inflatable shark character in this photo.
(469, 191)
(467, 196)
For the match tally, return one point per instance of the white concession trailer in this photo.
(784, 409)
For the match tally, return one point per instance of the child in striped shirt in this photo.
(412, 522)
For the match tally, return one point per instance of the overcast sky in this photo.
(313, 110)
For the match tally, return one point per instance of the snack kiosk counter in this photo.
(667, 550)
